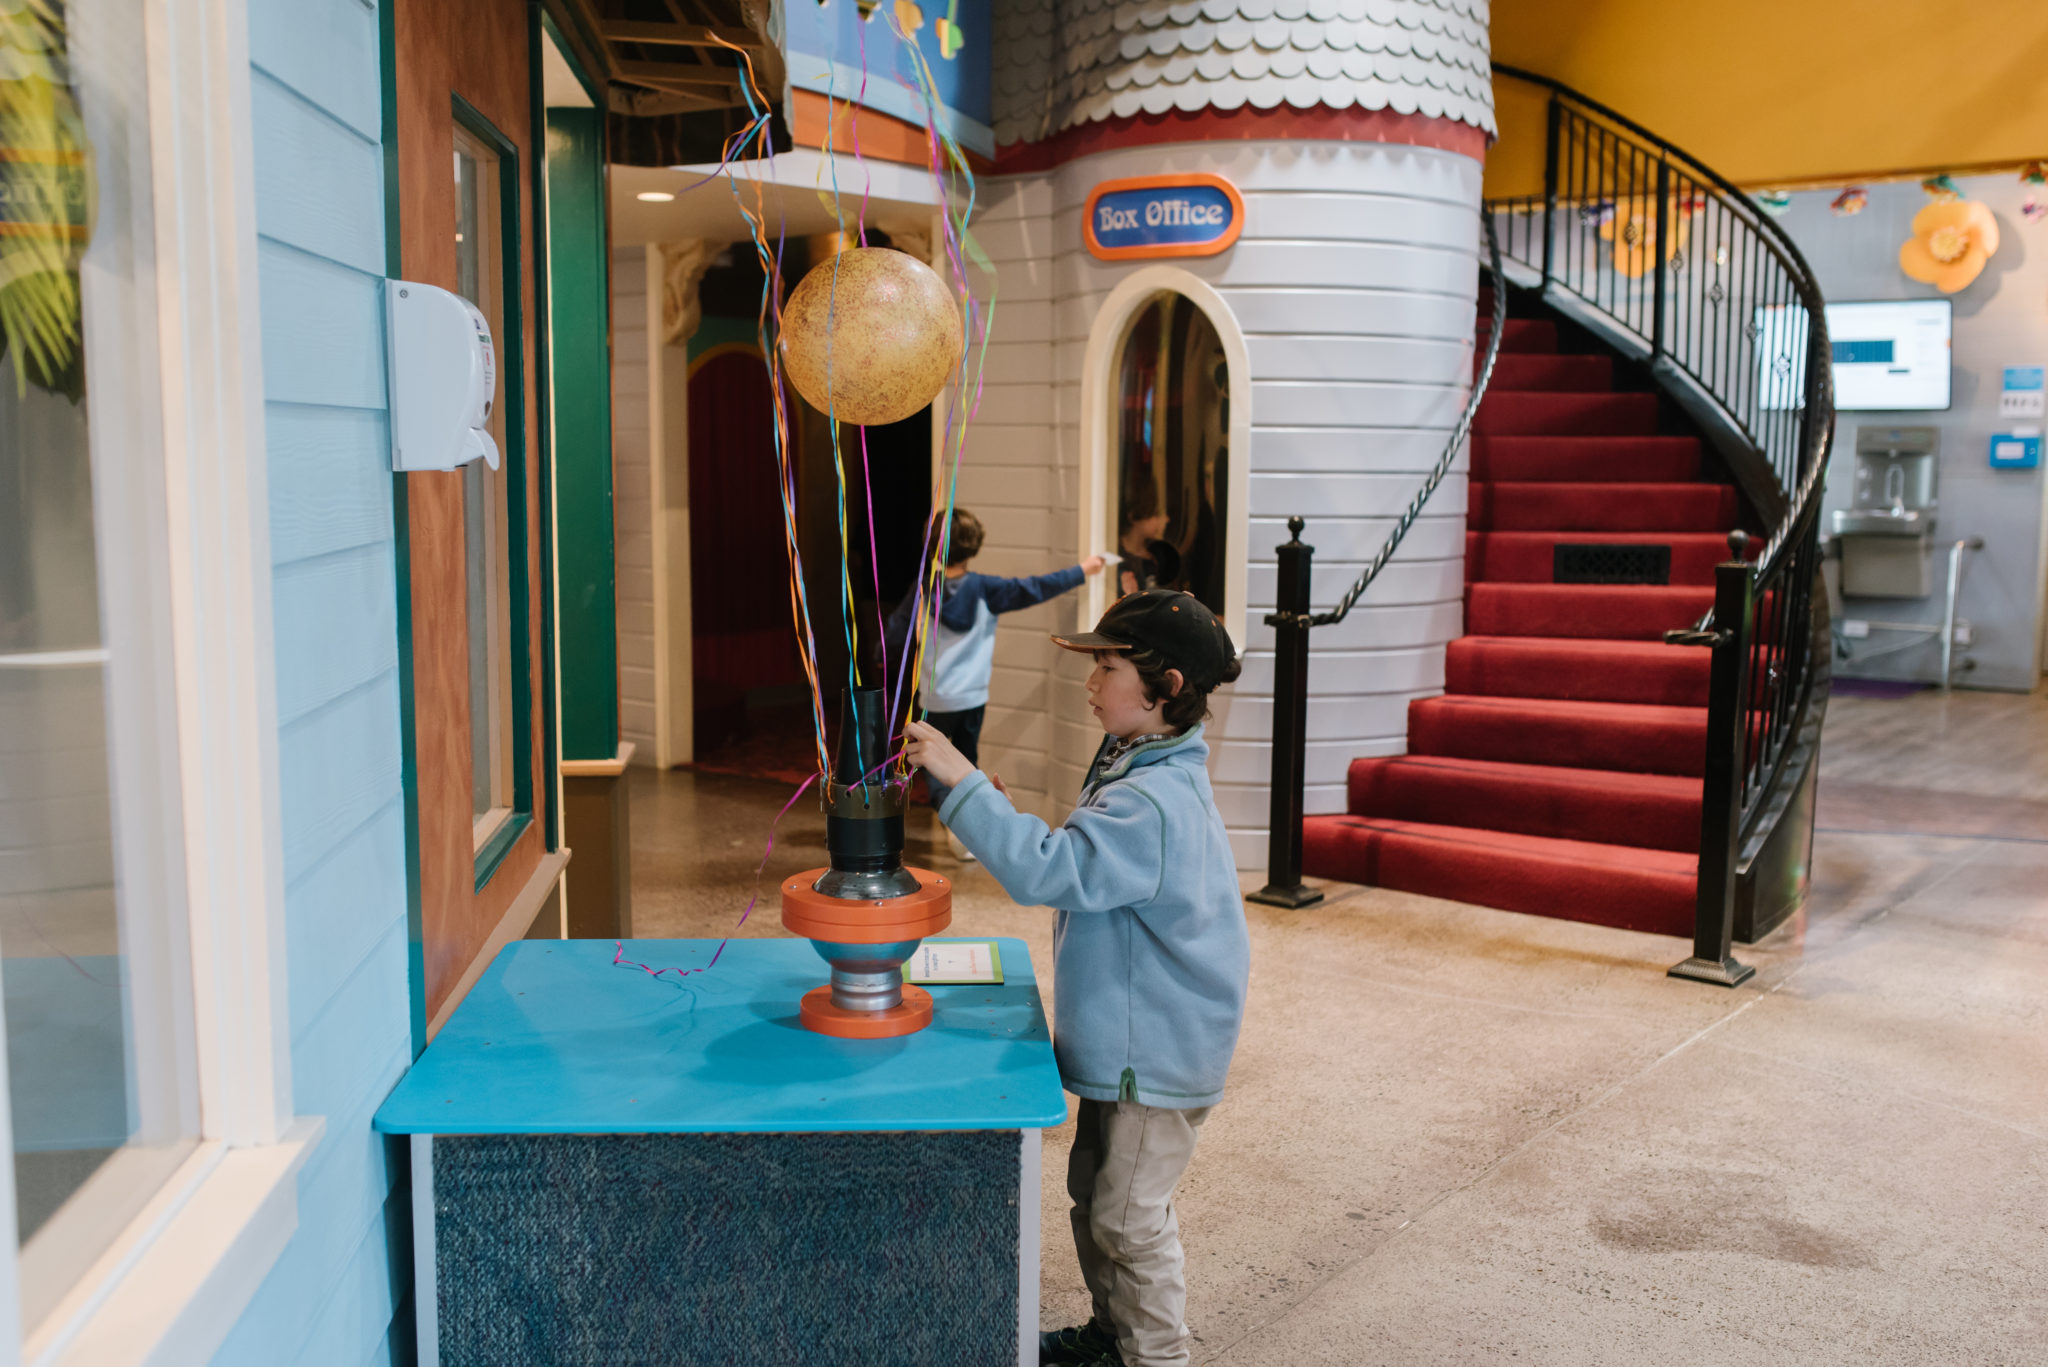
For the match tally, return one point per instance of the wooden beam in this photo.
(676, 35)
(578, 21)
(667, 75)
(651, 103)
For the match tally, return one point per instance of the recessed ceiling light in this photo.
(655, 196)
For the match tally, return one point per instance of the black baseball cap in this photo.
(1178, 626)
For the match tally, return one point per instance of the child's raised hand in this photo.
(927, 747)
(1092, 566)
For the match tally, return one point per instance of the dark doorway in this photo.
(1173, 461)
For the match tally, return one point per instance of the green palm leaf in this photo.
(45, 199)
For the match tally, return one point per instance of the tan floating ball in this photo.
(894, 336)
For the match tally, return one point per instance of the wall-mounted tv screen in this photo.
(1889, 355)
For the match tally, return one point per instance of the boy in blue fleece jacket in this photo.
(962, 650)
(1150, 955)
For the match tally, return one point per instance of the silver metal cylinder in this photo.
(866, 977)
(876, 991)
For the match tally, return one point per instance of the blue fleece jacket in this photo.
(1151, 956)
(962, 651)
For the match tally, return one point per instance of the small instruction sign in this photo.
(2024, 392)
(1152, 216)
(954, 961)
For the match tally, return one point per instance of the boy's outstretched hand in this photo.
(929, 750)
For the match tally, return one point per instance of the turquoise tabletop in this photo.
(557, 1039)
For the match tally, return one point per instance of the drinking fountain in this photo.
(1887, 534)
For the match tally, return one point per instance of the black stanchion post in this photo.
(1713, 954)
(1290, 623)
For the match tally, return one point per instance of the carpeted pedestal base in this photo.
(719, 1249)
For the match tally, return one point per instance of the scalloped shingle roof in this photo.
(1059, 63)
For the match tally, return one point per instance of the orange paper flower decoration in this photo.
(1951, 242)
(1632, 228)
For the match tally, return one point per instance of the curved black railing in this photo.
(1663, 256)
(1292, 620)
(1667, 261)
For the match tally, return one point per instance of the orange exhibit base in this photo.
(818, 1014)
(843, 929)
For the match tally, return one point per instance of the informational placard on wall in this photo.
(2023, 393)
(1153, 216)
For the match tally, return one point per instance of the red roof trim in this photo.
(1243, 124)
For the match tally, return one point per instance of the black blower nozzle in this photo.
(864, 820)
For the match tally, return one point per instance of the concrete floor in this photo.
(1459, 1135)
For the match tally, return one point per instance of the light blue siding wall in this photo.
(339, 1293)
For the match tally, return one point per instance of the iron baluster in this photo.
(1554, 122)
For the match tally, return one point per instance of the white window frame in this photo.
(1099, 376)
(178, 1276)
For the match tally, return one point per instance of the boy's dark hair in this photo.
(965, 542)
(1185, 708)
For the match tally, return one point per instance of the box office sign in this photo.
(1154, 216)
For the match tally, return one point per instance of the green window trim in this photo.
(518, 585)
(401, 548)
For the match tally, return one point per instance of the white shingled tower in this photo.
(1353, 131)
(1082, 61)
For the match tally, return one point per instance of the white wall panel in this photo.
(632, 501)
(1439, 533)
(1296, 356)
(1016, 476)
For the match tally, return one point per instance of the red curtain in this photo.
(739, 569)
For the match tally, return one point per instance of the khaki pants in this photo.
(1127, 1160)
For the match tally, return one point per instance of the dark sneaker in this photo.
(1083, 1345)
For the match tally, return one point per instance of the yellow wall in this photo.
(1776, 92)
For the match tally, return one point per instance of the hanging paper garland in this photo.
(1850, 202)
(1773, 202)
(1941, 189)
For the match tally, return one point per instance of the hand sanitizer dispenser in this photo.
(443, 378)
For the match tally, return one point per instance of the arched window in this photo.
(1172, 470)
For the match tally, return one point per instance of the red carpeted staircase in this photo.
(1559, 773)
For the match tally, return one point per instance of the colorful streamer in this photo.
(945, 158)
(619, 959)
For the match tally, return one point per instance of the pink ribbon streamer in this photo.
(619, 959)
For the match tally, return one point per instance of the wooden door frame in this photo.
(464, 905)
